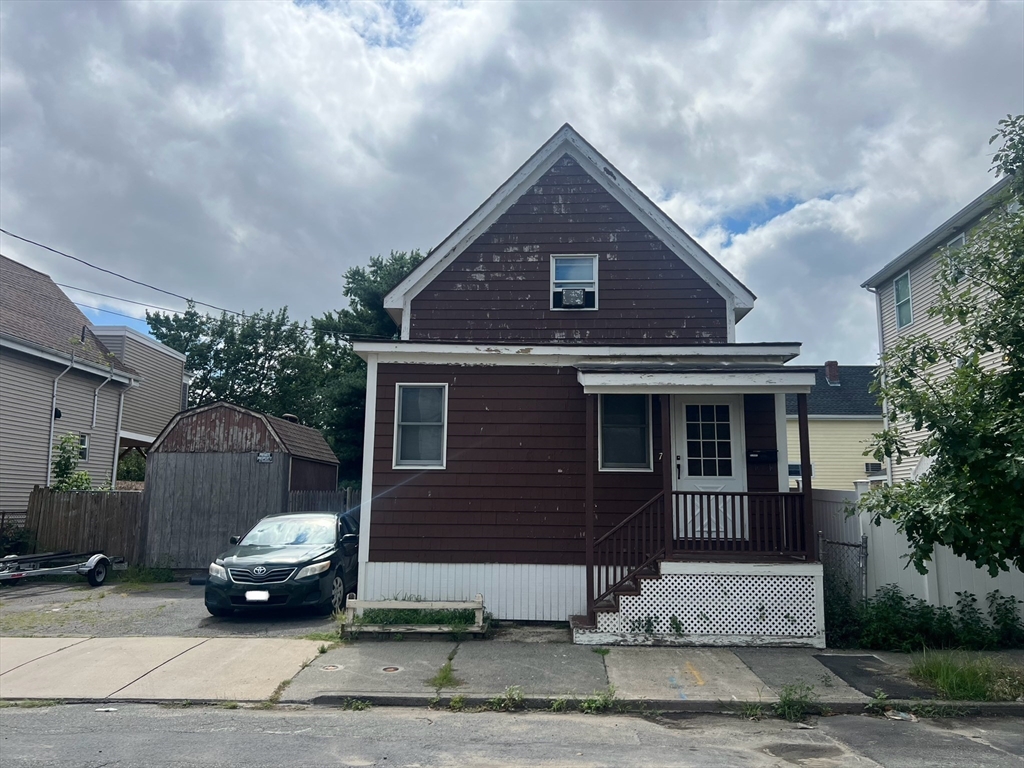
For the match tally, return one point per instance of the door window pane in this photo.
(711, 456)
(420, 438)
(625, 432)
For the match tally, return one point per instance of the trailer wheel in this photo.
(98, 573)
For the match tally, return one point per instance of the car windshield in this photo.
(284, 531)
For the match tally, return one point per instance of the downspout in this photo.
(53, 411)
(881, 364)
(96, 395)
(117, 434)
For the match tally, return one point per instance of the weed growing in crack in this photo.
(457, 704)
(510, 700)
(598, 701)
(796, 701)
(445, 678)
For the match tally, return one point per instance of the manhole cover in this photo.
(330, 667)
(391, 669)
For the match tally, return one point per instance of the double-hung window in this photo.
(626, 433)
(574, 282)
(421, 425)
(901, 293)
(83, 446)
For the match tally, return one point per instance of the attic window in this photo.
(901, 291)
(574, 282)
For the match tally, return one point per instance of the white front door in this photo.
(710, 457)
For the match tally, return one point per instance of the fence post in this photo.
(864, 566)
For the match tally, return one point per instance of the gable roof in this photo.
(851, 398)
(566, 141)
(33, 310)
(941, 235)
(297, 440)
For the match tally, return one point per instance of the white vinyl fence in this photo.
(887, 561)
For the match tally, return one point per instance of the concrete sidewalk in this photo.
(406, 673)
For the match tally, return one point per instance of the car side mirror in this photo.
(233, 540)
(349, 542)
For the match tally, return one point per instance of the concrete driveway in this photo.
(119, 610)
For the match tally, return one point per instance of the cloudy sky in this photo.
(247, 154)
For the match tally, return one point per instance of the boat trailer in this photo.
(95, 566)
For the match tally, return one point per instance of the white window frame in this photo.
(83, 446)
(444, 425)
(909, 300)
(959, 242)
(551, 287)
(600, 439)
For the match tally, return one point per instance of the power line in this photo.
(108, 311)
(119, 298)
(117, 274)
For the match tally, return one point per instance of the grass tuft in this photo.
(796, 702)
(961, 677)
(510, 700)
(445, 678)
(598, 701)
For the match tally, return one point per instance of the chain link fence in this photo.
(845, 572)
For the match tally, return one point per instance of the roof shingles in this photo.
(851, 398)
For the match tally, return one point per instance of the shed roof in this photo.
(35, 311)
(850, 398)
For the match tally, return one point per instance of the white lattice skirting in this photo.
(719, 604)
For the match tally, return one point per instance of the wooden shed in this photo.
(217, 469)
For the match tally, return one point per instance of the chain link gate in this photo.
(845, 574)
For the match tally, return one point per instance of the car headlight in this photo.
(218, 571)
(314, 569)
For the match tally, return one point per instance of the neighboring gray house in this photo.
(163, 390)
(907, 287)
(58, 375)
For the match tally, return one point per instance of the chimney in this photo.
(832, 373)
(291, 417)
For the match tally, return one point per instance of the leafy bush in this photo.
(65, 475)
(15, 540)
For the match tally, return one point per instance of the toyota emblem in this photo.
(259, 570)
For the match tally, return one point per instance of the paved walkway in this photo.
(392, 672)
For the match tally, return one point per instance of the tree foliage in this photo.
(270, 363)
(966, 390)
(132, 467)
(65, 475)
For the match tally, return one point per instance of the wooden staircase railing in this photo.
(631, 547)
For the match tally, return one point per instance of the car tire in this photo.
(98, 573)
(335, 603)
(218, 611)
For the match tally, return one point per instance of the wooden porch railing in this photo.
(632, 546)
(738, 525)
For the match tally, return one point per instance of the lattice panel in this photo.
(713, 604)
(609, 622)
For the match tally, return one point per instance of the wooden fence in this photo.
(83, 521)
(341, 500)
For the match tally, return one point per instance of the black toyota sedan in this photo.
(301, 559)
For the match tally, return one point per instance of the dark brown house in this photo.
(568, 426)
(217, 469)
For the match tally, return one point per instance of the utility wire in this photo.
(119, 298)
(108, 311)
(118, 274)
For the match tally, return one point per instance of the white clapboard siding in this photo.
(512, 592)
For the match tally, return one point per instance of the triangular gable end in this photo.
(567, 141)
(155, 445)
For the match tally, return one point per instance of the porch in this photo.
(706, 560)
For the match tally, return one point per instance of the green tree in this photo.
(967, 391)
(132, 467)
(65, 475)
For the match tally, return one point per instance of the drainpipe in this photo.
(53, 411)
(117, 432)
(96, 395)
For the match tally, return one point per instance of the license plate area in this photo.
(257, 596)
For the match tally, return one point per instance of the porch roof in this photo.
(669, 378)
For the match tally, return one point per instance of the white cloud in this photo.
(249, 153)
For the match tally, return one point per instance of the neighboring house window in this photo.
(626, 432)
(901, 291)
(708, 441)
(420, 425)
(83, 447)
(872, 468)
(952, 247)
(794, 471)
(574, 282)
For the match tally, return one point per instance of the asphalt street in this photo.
(135, 735)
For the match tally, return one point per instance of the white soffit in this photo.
(694, 382)
(568, 141)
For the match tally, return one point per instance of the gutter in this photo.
(53, 418)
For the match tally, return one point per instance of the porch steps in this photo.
(705, 603)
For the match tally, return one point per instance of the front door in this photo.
(709, 458)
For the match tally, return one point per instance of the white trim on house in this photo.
(569, 354)
(567, 141)
(444, 425)
(781, 439)
(600, 441)
(551, 282)
(131, 333)
(137, 436)
(77, 364)
(366, 490)
(835, 417)
(714, 382)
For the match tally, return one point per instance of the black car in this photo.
(301, 559)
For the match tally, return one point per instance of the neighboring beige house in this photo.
(161, 394)
(907, 287)
(58, 376)
(842, 416)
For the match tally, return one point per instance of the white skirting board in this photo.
(511, 592)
